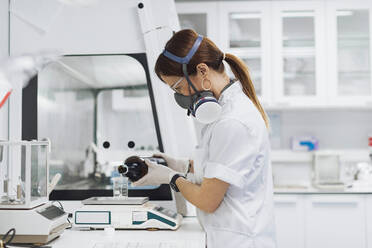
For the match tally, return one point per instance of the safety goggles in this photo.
(175, 85)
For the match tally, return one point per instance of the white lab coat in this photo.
(236, 149)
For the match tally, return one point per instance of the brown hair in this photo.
(208, 53)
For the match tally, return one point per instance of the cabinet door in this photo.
(369, 220)
(289, 218)
(201, 17)
(298, 53)
(244, 33)
(335, 221)
(349, 46)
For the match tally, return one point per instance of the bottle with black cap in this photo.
(135, 168)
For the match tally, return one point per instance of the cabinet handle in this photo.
(285, 202)
(334, 203)
(282, 104)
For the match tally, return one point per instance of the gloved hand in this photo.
(178, 164)
(157, 174)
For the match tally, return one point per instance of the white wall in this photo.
(335, 129)
(3, 54)
(340, 129)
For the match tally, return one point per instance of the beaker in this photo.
(120, 186)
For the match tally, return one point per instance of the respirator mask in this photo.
(202, 104)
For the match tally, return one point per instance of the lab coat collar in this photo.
(230, 92)
(226, 96)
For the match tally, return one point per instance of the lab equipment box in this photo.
(23, 174)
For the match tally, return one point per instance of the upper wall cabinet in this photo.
(313, 54)
(200, 16)
(242, 33)
(349, 47)
(298, 53)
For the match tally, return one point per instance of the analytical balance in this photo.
(24, 193)
(125, 213)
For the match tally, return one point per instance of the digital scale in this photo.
(125, 213)
(38, 225)
(24, 197)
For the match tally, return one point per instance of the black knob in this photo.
(140, 5)
(131, 144)
(106, 144)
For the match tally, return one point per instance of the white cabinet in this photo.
(298, 52)
(349, 47)
(201, 17)
(368, 211)
(289, 219)
(335, 221)
(313, 54)
(323, 220)
(243, 32)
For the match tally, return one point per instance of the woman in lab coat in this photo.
(229, 180)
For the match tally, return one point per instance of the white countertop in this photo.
(313, 190)
(190, 233)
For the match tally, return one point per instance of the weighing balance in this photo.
(327, 171)
(125, 213)
(24, 171)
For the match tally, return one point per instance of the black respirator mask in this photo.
(202, 104)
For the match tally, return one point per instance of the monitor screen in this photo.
(97, 110)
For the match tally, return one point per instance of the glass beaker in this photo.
(120, 186)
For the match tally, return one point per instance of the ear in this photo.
(202, 69)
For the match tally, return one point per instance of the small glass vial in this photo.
(20, 190)
(120, 186)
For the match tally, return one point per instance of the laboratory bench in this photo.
(190, 234)
(304, 218)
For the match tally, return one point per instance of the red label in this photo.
(4, 99)
(370, 141)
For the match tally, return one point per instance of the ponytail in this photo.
(241, 72)
(208, 53)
